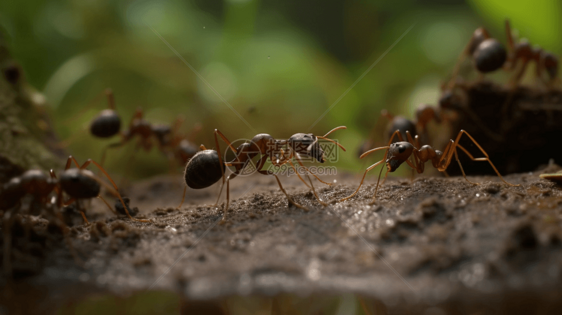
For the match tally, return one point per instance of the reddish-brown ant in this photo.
(78, 183)
(400, 152)
(207, 166)
(424, 114)
(487, 54)
(523, 52)
(170, 141)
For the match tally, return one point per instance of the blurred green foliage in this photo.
(279, 64)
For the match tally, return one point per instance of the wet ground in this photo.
(430, 241)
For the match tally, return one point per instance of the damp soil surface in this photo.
(430, 240)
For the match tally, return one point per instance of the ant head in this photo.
(398, 153)
(307, 144)
(80, 184)
(490, 55)
(106, 124)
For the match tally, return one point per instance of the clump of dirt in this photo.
(515, 126)
(430, 240)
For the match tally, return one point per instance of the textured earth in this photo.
(431, 242)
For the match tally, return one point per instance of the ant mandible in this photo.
(207, 166)
(400, 152)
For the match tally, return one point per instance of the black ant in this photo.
(78, 183)
(207, 166)
(400, 152)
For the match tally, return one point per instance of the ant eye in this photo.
(401, 149)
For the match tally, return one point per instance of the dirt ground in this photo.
(430, 241)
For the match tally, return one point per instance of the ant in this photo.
(400, 152)
(170, 141)
(424, 114)
(207, 166)
(78, 183)
(487, 54)
(523, 51)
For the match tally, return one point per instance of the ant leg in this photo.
(84, 217)
(509, 35)
(516, 78)
(217, 132)
(360, 184)
(69, 202)
(486, 158)
(110, 146)
(107, 204)
(182, 197)
(283, 190)
(114, 187)
(306, 168)
(377, 188)
(231, 176)
(315, 194)
(222, 185)
(259, 169)
(462, 170)
(465, 53)
(69, 162)
(72, 200)
(296, 172)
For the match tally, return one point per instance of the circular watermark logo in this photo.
(244, 161)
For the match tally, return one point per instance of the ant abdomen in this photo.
(403, 124)
(204, 169)
(11, 193)
(490, 55)
(106, 124)
(79, 184)
(37, 182)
